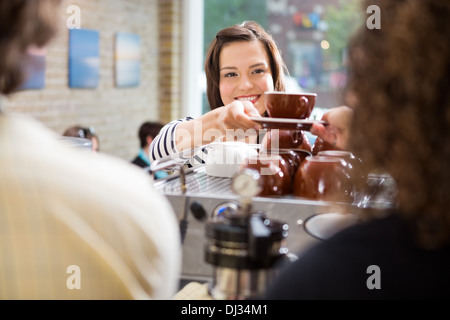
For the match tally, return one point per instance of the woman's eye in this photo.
(230, 74)
(258, 71)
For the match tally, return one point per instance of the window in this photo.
(311, 34)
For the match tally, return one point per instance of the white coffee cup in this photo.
(225, 158)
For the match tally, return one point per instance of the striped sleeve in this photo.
(164, 146)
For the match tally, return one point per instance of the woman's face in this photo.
(245, 73)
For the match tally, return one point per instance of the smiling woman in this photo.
(245, 74)
(220, 56)
(242, 63)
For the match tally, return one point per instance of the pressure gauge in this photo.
(246, 183)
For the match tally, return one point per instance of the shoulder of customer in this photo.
(101, 203)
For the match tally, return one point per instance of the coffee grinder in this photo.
(244, 247)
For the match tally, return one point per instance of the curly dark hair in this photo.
(246, 31)
(22, 23)
(399, 80)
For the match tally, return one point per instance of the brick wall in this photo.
(115, 113)
(170, 39)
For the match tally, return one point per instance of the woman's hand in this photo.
(233, 120)
(230, 122)
(236, 116)
(337, 130)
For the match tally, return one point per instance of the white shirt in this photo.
(70, 218)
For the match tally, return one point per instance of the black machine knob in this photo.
(198, 211)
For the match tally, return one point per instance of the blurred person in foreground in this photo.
(146, 133)
(73, 226)
(398, 85)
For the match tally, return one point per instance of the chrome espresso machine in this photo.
(235, 240)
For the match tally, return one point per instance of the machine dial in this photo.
(246, 183)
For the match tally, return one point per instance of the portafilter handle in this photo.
(170, 163)
(175, 161)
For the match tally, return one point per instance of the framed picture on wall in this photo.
(127, 60)
(35, 67)
(84, 58)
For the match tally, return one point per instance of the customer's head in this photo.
(23, 23)
(399, 80)
(147, 132)
(246, 32)
(84, 133)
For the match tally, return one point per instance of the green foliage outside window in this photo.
(220, 14)
(342, 21)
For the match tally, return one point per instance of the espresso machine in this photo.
(233, 240)
(244, 247)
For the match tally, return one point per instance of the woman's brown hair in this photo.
(23, 23)
(246, 31)
(399, 80)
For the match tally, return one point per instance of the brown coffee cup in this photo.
(275, 178)
(282, 139)
(353, 166)
(292, 157)
(322, 178)
(289, 105)
(286, 139)
(321, 145)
